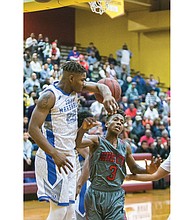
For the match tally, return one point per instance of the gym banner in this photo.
(115, 8)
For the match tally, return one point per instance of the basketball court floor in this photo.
(149, 205)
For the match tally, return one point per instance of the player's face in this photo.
(116, 124)
(78, 82)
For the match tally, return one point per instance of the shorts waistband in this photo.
(111, 189)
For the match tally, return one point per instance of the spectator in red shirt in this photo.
(82, 61)
(55, 54)
(131, 111)
(168, 93)
(147, 121)
(147, 137)
(164, 137)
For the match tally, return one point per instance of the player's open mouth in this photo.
(117, 128)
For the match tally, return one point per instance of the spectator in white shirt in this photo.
(110, 71)
(96, 108)
(126, 56)
(27, 152)
(151, 112)
(31, 43)
(36, 65)
(152, 98)
(32, 82)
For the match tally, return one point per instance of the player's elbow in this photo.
(134, 169)
(78, 143)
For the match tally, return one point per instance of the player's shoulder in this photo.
(46, 99)
(124, 142)
(48, 93)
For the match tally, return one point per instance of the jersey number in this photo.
(113, 169)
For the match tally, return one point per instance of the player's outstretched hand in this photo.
(153, 166)
(61, 160)
(89, 123)
(110, 105)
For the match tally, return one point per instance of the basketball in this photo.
(113, 86)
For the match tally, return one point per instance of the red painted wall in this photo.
(54, 23)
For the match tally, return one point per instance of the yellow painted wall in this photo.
(154, 54)
(107, 34)
(151, 50)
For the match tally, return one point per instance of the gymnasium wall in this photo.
(154, 53)
(55, 23)
(151, 49)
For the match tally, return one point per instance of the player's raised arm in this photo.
(109, 102)
(91, 139)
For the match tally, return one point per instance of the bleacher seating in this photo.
(64, 49)
(30, 186)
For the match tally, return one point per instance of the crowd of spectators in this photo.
(146, 106)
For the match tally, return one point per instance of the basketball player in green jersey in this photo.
(104, 199)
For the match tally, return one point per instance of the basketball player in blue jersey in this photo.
(82, 159)
(104, 199)
(53, 127)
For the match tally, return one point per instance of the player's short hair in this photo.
(119, 111)
(73, 67)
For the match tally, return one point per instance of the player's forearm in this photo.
(138, 169)
(79, 137)
(40, 140)
(97, 88)
(104, 90)
(160, 173)
(141, 177)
